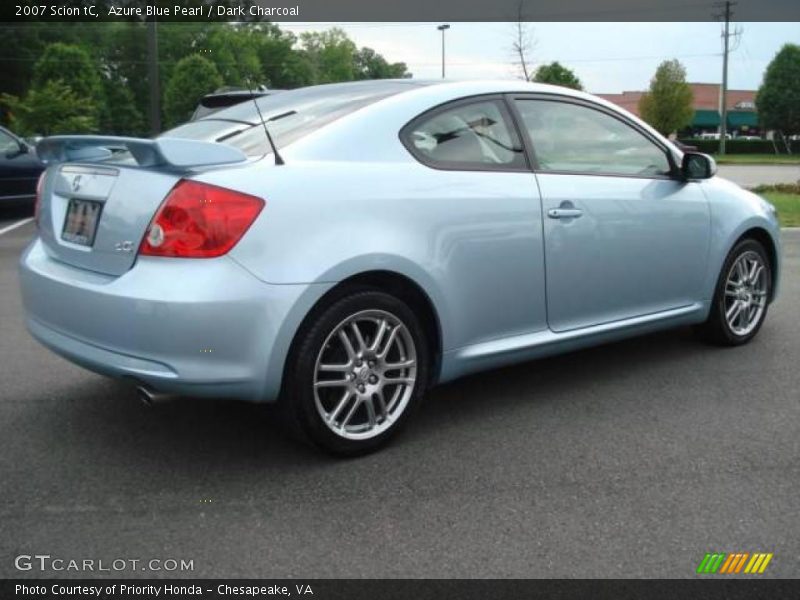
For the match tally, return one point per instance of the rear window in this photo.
(295, 114)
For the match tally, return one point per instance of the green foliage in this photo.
(733, 146)
(331, 54)
(192, 78)
(283, 67)
(778, 98)
(65, 95)
(106, 63)
(120, 115)
(557, 74)
(50, 109)
(782, 188)
(234, 51)
(71, 64)
(667, 106)
(369, 64)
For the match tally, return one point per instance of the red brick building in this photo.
(742, 115)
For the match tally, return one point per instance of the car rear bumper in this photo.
(203, 327)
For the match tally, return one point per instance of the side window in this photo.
(478, 135)
(574, 138)
(7, 143)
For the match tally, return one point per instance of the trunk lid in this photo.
(96, 205)
(125, 200)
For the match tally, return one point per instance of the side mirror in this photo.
(696, 165)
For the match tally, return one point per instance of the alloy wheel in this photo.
(745, 293)
(365, 374)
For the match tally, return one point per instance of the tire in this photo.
(752, 296)
(352, 400)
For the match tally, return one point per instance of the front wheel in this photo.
(360, 368)
(741, 297)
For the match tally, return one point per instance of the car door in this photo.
(19, 169)
(483, 214)
(624, 236)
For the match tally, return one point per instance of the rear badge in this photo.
(126, 246)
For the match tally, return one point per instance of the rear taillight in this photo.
(198, 220)
(37, 207)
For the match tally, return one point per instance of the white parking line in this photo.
(15, 225)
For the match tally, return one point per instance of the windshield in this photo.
(289, 115)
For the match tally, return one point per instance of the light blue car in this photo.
(403, 234)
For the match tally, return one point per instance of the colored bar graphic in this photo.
(765, 563)
(754, 563)
(701, 568)
(711, 563)
(726, 566)
(733, 562)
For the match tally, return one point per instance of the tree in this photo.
(331, 53)
(192, 78)
(667, 105)
(368, 64)
(50, 109)
(74, 66)
(120, 115)
(282, 66)
(523, 44)
(65, 94)
(234, 51)
(557, 74)
(778, 98)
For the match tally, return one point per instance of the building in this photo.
(742, 116)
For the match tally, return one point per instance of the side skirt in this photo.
(520, 348)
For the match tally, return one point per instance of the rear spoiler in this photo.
(166, 153)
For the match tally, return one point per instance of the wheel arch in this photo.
(391, 282)
(762, 236)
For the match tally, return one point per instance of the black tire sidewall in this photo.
(299, 392)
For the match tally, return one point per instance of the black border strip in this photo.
(701, 588)
(409, 10)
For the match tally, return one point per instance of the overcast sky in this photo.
(607, 57)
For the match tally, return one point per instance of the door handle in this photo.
(564, 213)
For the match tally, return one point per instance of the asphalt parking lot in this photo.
(628, 460)
(750, 176)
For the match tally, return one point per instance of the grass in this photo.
(788, 206)
(758, 159)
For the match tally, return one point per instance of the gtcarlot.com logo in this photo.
(46, 562)
(733, 563)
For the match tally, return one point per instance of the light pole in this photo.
(442, 28)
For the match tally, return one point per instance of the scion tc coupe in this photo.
(341, 248)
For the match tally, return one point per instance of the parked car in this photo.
(401, 234)
(713, 136)
(20, 168)
(224, 98)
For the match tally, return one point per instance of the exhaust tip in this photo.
(149, 397)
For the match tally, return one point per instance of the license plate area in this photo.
(80, 222)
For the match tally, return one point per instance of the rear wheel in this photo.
(359, 369)
(741, 297)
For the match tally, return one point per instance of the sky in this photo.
(607, 57)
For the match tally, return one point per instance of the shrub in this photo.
(733, 146)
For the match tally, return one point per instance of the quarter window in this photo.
(478, 135)
(574, 138)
